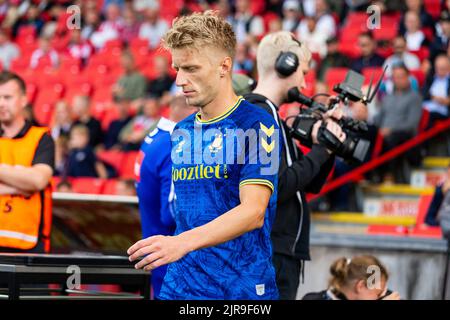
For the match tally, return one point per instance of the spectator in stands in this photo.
(141, 5)
(415, 37)
(135, 131)
(61, 122)
(82, 115)
(153, 28)
(398, 119)
(82, 160)
(8, 50)
(162, 83)
(437, 90)
(369, 57)
(333, 59)
(31, 18)
(441, 41)
(125, 187)
(292, 16)
(314, 38)
(360, 278)
(112, 134)
(416, 6)
(223, 6)
(401, 55)
(61, 156)
(154, 180)
(131, 26)
(90, 24)
(64, 186)
(109, 29)
(243, 63)
(440, 193)
(132, 85)
(28, 113)
(245, 23)
(78, 47)
(325, 23)
(44, 55)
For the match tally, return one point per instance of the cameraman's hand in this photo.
(331, 126)
(335, 129)
(335, 114)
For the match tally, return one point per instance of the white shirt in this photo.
(153, 32)
(414, 40)
(438, 88)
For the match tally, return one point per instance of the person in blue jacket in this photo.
(154, 179)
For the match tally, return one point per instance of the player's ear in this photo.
(226, 66)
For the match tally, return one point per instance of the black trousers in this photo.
(288, 270)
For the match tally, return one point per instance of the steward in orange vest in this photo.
(26, 168)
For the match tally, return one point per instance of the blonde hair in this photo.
(201, 29)
(271, 46)
(344, 271)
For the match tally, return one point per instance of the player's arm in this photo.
(245, 217)
(26, 179)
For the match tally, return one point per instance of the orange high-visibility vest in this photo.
(23, 221)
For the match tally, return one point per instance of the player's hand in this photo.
(158, 250)
(393, 296)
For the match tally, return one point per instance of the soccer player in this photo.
(225, 187)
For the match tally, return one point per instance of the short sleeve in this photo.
(262, 154)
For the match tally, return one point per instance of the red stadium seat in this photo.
(45, 101)
(55, 181)
(127, 168)
(26, 31)
(419, 75)
(372, 71)
(88, 185)
(77, 89)
(310, 80)
(423, 53)
(113, 157)
(356, 19)
(334, 76)
(349, 49)
(433, 7)
(388, 31)
(110, 114)
(110, 187)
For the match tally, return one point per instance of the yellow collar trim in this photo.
(222, 116)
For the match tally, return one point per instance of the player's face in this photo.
(198, 74)
(12, 101)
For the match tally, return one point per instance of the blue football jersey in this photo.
(211, 160)
(153, 185)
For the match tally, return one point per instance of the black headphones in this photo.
(287, 62)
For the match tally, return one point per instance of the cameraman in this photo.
(282, 63)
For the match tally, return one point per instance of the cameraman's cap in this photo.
(445, 16)
(242, 84)
(291, 5)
